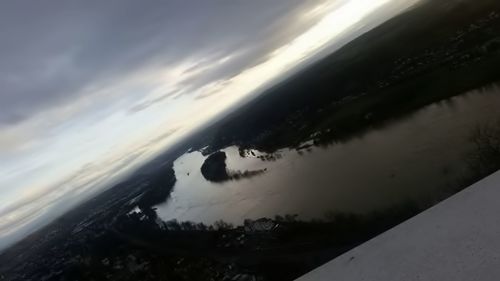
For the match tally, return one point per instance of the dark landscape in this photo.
(427, 55)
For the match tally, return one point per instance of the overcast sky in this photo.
(88, 89)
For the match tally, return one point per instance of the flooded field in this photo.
(415, 159)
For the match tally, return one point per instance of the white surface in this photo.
(458, 239)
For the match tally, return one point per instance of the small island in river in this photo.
(215, 169)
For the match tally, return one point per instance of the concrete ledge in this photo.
(458, 239)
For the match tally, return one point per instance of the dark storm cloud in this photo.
(55, 51)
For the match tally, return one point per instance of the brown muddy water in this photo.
(417, 158)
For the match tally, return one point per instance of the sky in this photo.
(92, 89)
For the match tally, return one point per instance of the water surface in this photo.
(417, 158)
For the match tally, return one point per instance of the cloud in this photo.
(69, 47)
(146, 104)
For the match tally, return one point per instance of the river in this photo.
(417, 158)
